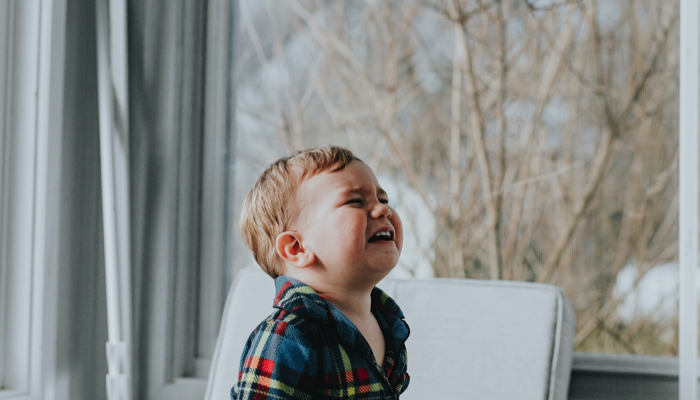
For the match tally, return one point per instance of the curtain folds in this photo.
(178, 167)
(166, 59)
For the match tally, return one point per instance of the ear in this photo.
(290, 247)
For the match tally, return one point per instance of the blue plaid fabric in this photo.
(308, 349)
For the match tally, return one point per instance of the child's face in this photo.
(343, 211)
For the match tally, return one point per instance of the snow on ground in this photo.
(655, 296)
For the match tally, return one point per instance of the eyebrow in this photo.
(362, 191)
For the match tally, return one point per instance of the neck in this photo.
(352, 299)
(354, 303)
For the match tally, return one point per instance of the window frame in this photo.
(19, 110)
(688, 199)
(31, 63)
(5, 33)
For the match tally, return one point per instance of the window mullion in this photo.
(5, 31)
(688, 197)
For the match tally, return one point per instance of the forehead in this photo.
(355, 177)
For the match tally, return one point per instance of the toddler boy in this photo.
(319, 223)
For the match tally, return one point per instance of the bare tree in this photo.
(543, 139)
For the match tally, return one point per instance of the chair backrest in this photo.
(469, 339)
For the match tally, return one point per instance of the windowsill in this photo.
(626, 364)
(11, 394)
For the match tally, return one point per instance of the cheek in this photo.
(345, 231)
(398, 228)
(354, 221)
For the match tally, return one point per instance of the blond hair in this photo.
(270, 207)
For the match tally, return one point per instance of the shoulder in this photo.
(286, 337)
(291, 326)
(280, 359)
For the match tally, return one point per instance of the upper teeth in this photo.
(383, 234)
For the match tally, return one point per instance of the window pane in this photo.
(522, 141)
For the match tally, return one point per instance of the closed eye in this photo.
(359, 201)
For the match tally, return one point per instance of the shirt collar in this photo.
(297, 297)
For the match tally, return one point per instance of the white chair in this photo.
(470, 339)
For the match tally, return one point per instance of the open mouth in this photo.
(382, 236)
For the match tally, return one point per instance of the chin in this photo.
(384, 269)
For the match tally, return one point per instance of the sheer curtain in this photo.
(179, 180)
(178, 63)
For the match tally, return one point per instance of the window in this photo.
(539, 139)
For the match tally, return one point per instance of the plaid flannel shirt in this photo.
(308, 349)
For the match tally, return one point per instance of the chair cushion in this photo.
(469, 338)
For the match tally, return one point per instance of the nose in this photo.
(380, 210)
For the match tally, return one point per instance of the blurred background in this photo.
(522, 141)
(528, 140)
